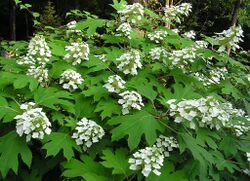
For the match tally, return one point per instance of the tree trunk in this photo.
(12, 20)
(235, 17)
(236, 12)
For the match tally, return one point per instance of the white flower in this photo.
(248, 156)
(132, 13)
(157, 53)
(176, 13)
(87, 133)
(129, 62)
(149, 159)
(33, 123)
(71, 79)
(124, 30)
(157, 36)
(38, 52)
(130, 100)
(212, 77)
(182, 58)
(115, 83)
(190, 34)
(166, 144)
(201, 44)
(40, 73)
(204, 112)
(230, 38)
(71, 28)
(102, 57)
(77, 51)
(27, 106)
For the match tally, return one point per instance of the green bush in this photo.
(125, 99)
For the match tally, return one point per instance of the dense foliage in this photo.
(125, 99)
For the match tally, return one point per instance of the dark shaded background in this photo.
(208, 16)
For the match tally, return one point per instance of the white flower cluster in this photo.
(166, 144)
(115, 84)
(248, 156)
(77, 51)
(190, 34)
(157, 36)
(176, 13)
(204, 112)
(240, 127)
(157, 53)
(132, 13)
(230, 38)
(71, 79)
(87, 133)
(148, 159)
(124, 30)
(201, 44)
(71, 28)
(102, 57)
(33, 122)
(38, 52)
(129, 62)
(182, 58)
(37, 57)
(40, 73)
(130, 100)
(213, 77)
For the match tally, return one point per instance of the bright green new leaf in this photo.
(118, 161)
(11, 145)
(136, 125)
(91, 24)
(55, 142)
(7, 111)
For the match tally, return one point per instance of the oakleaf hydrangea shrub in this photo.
(126, 99)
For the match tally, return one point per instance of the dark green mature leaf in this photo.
(179, 92)
(228, 88)
(168, 173)
(50, 97)
(108, 108)
(56, 141)
(91, 25)
(118, 161)
(85, 168)
(84, 106)
(136, 125)
(11, 145)
(229, 145)
(97, 91)
(196, 147)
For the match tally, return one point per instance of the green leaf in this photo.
(229, 145)
(91, 25)
(168, 173)
(136, 125)
(57, 141)
(23, 80)
(50, 97)
(84, 106)
(196, 147)
(57, 47)
(108, 108)
(7, 111)
(97, 91)
(143, 87)
(11, 145)
(85, 168)
(207, 136)
(118, 161)
(118, 5)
